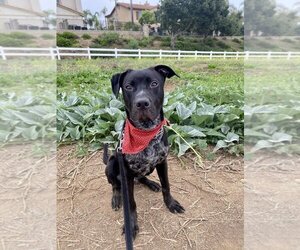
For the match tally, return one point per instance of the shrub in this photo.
(266, 45)
(212, 66)
(66, 39)
(108, 39)
(65, 42)
(47, 36)
(236, 40)
(131, 26)
(133, 44)
(21, 35)
(68, 35)
(86, 36)
(146, 41)
(7, 41)
(166, 41)
(209, 41)
(222, 45)
(287, 40)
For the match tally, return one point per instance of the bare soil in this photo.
(212, 197)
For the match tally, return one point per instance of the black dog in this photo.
(143, 93)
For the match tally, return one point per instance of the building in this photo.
(70, 15)
(121, 13)
(21, 15)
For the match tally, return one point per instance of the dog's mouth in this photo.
(144, 120)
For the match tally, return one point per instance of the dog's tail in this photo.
(105, 153)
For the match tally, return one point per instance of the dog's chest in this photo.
(144, 162)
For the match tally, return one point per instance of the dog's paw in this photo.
(154, 186)
(134, 230)
(174, 206)
(116, 202)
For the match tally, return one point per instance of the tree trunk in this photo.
(173, 40)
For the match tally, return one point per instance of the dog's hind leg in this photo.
(112, 173)
(152, 185)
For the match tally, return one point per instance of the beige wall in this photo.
(23, 17)
(72, 4)
(26, 4)
(72, 18)
(123, 14)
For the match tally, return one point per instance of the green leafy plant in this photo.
(86, 36)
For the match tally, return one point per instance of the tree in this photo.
(50, 18)
(208, 15)
(192, 16)
(147, 17)
(92, 19)
(232, 25)
(258, 16)
(174, 18)
(266, 17)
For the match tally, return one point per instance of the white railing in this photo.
(62, 52)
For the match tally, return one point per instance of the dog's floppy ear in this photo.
(117, 81)
(165, 71)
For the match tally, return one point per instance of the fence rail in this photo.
(62, 52)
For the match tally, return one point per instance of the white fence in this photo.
(62, 52)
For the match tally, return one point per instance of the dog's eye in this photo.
(153, 84)
(128, 87)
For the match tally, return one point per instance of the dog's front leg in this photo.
(172, 204)
(132, 206)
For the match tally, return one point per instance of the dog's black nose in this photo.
(142, 103)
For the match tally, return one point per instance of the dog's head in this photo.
(143, 92)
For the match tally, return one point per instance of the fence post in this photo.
(247, 55)
(224, 55)
(178, 54)
(269, 55)
(52, 53)
(57, 52)
(210, 55)
(237, 55)
(89, 53)
(140, 56)
(116, 53)
(289, 55)
(196, 54)
(160, 54)
(2, 53)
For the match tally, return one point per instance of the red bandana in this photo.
(136, 140)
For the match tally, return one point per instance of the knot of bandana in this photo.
(136, 140)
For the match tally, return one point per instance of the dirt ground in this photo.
(212, 197)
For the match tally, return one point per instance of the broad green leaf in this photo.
(185, 112)
(30, 133)
(74, 118)
(220, 144)
(254, 133)
(189, 131)
(182, 146)
(119, 125)
(212, 132)
(4, 135)
(231, 137)
(75, 133)
(280, 137)
(114, 103)
(225, 128)
(264, 144)
(199, 120)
